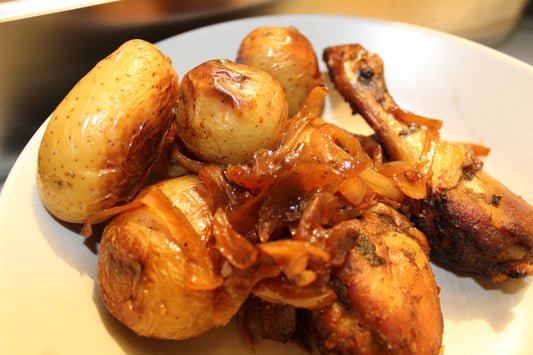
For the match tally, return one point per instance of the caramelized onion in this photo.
(425, 161)
(409, 117)
(310, 110)
(381, 185)
(319, 212)
(323, 211)
(105, 215)
(335, 146)
(282, 291)
(181, 159)
(416, 189)
(392, 168)
(224, 193)
(236, 289)
(478, 149)
(235, 248)
(413, 182)
(266, 165)
(293, 256)
(201, 273)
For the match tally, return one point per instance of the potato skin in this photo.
(227, 111)
(141, 269)
(288, 56)
(107, 132)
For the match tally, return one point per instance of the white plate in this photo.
(49, 298)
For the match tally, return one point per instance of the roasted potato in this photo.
(288, 56)
(142, 268)
(107, 132)
(227, 111)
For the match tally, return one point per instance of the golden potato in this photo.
(288, 56)
(107, 132)
(227, 111)
(141, 267)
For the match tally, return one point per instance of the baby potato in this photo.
(142, 269)
(227, 111)
(104, 136)
(288, 56)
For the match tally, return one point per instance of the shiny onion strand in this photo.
(184, 160)
(234, 247)
(261, 171)
(335, 146)
(201, 273)
(293, 257)
(412, 118)
(478, 149)
(413, 182)
(283, 291)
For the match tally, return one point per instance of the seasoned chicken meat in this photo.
(473, 222)
(388, 299)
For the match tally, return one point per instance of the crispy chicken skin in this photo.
(473, 222)
(388, 301)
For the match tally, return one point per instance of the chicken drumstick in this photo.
(473, 222)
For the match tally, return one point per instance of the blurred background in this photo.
(46, 46)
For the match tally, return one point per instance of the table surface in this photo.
(520, 43)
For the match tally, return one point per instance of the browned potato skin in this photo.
(227, 111)
(288, 56)
(105, 135)
(141, 269)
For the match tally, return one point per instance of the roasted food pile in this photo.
(227, 192)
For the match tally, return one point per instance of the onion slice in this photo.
(201, 273)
